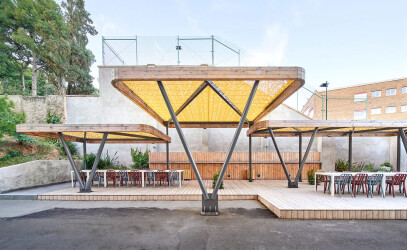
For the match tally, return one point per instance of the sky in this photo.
(342, 42)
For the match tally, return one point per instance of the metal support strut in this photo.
(300, 152)
(182, 138)
(350, 150)
(290, 184)
(294, 184)
(235, 137)
(403, 138)
(83, 187)
(84, 151)
(95, 164)
(304, 159)
(250, 159)
(167, 149)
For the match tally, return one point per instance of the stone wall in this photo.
(36, 107)
(34, 173)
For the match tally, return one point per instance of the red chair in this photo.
(397, 180)
(359, 180)
(162, 176)
(323, 179)
(111, 175)
(135, 176)
(82, 176)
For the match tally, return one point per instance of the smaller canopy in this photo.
(117, 133)
(328, 128)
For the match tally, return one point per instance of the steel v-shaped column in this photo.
(293, 184)
(235, 137)
(209, 203)
(183, 141)
(83, 187)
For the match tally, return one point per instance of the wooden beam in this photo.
(332, 124)
(194, 73)
(208, 125)
(131, 135)
(50, 130)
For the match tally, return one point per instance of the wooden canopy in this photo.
(327, 128)
(117, 133)
(204, 96)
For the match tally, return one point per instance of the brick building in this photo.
(385, 100)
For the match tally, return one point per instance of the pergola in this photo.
(94, 133)
(207, 97)
(314, 128)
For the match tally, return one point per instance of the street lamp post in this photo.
(325, 84)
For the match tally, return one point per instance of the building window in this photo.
(361, 97)
(404, 90)
(359, 114)
(404, 108)
(311, 113)
(390, 110)
(390, 91)
(376, 94)
(376, 111)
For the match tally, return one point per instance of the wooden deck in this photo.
(294, 203)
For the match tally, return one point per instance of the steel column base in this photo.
(210, 206)
(85, 190)
(293, 185)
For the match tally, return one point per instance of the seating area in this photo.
(369, 182)
(132, 178)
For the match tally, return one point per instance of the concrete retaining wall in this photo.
(34, 173)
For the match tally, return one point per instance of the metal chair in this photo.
(111, 174)
(323, 179)
(123, 177)
(135, 177)
(98, 176)
(343, 180)
(162, 175)
(174, 176)
(371, 181)
(150, 175)
(358, 181)
(82, 176)
(397, 180)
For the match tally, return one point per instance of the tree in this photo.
(80, 59)
(10, 49)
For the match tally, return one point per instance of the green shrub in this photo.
(311, 176)
(215, 179)
(341, 165)
(9, 118)
(139, 158)
(53, 118)
(106, 162)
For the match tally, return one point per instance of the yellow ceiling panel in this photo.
(177, 91)
(208, 106)
(238, 93)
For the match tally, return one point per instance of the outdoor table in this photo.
(104, 171)
(333, 174)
